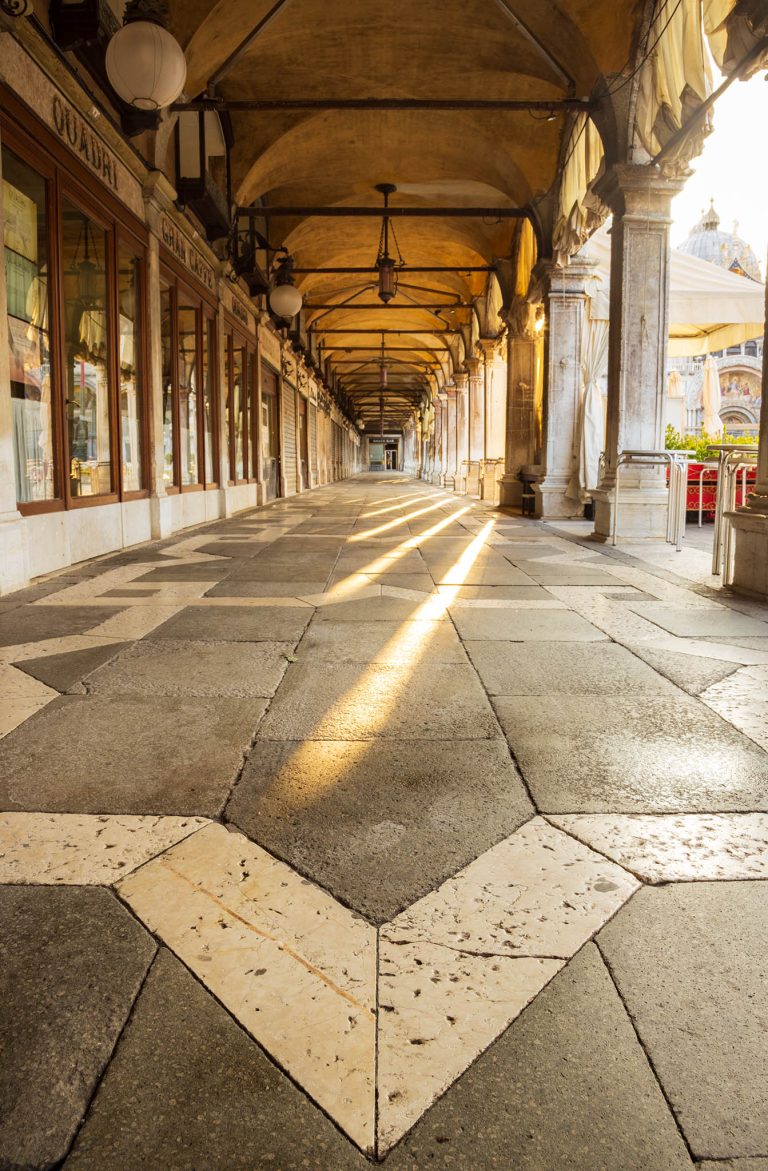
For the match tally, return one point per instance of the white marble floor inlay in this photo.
(83, 849)
(296, 968)
(677, 847)
(360, 1018)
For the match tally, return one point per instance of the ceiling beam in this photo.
(533, 40)
(430, 307)
(378, 332)
(341, 212)
(275, 105)
(236, 54)
(407, 268)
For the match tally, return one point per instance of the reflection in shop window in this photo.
(187, 318)
(130, 374)
(86, 342)
(238, 407)
(26, 275)
(166, 335)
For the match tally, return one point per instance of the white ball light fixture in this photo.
(285, 300)
(145, 63)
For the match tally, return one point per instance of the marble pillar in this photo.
(475, 423)
(565, 297)
(750, 564)
(521, 436)
(461, 378)
(640, 199)
(448, 478)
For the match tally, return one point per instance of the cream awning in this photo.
(709, 307)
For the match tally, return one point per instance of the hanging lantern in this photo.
(385, 263)
(285, 300)
(145, 63)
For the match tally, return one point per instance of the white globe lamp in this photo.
(285, 300)
(146, 66)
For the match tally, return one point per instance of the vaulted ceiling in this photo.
(451, 51)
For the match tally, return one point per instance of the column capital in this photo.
(558, 280)
(631, 189)
(473, 367)
(461, 380)
(520, 316)
(489, 347)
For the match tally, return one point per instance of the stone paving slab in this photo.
(72, 963)
(523, 625)
(690, 962)
(556, 668)
(547, 574)
(63, 671)
(696, 622)
(690, 672)
(187, 668)
(189, 1089)
(381, 642)
(238, 588)
(567, 1086)
(128, 754)
(352, 701)
(37, 622)
(236, 624)
(202, 571)
(379, 609)
(379, 828)
(633, 755)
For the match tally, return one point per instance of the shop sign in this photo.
(240, 312)
(79, 137)
(178, 244)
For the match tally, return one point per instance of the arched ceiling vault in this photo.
(437, 50)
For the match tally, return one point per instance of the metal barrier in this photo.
(732, 458)
(677, 463)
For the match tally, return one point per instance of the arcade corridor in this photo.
(377, 820)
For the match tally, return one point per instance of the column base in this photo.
(510, 491)
(161, 517)
(449, 482)
(750, 563)
(14, 563)
(552, 502)
(642, 514)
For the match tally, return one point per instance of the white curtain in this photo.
(711, 398)
(590, 428)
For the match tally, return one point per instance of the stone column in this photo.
(475, 423)
(461, 378)
(520, 438)
(441, 454)
(14, 566)
(640, 198)
(565, 294)
(750, 565)
(448, 479)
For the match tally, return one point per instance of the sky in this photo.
(733, 169)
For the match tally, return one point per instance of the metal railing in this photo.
(732, 459)
(677, 463)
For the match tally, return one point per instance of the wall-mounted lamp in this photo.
(145, 64)
(285, 300)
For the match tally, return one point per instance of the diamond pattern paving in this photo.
(309, 750)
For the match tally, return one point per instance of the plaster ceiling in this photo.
(433, 49)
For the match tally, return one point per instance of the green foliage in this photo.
(700, 444)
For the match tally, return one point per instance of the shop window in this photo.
(75, 323)
(189, 398)
(206, 377)
(241, 419)
(130, 369)
(167, 331)
(26, 276)
(188, 395)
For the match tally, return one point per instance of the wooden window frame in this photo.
(204, 313)
(66, 178)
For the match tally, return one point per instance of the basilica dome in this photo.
(726, 249)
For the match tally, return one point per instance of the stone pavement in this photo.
(379, 824)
